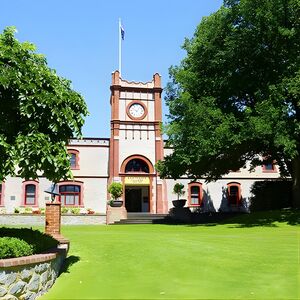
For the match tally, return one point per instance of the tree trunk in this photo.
(296, 182)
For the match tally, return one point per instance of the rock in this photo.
(26, 274)
(34, 283)
(7, 278)
(42, 267)
(3, 291)
(17, 288)
(9, 297)
(29, 296)
(44, 277)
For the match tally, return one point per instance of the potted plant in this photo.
(90, 211)
(116, 190)
(178, 190)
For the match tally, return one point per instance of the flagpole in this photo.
(120, 47)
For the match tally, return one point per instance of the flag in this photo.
(122, 31)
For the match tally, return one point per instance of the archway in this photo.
(136, 170)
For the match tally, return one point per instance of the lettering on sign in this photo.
(137, 180)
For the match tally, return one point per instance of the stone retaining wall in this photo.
(39, 220)
(28, 277)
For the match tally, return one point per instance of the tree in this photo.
(39, 112)
(235, 96)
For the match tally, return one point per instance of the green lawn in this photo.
(246, 260)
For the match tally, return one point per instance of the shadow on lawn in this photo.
(262, 218)
(69, 261)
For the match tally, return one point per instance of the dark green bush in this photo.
(37, 240)
(14, 247)
(271, 195)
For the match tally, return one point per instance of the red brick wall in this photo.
(53, 216)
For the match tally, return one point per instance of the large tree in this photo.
(39, 112)
(235, 96)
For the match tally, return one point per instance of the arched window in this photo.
(70, 194)
(74, 159)
(234, 193)
(195, 194)
(137, 165)
(30, 193)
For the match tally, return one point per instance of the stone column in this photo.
(53, 218)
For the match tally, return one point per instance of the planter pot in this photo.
(179, 203)
(116, 203)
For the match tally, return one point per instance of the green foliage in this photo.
(64, 210)
(178, 189)
(116, 190)
(270, 195)
(27, 210)
(37, 240)
(13, 247)
(75, 210)
(39, 113)
(235, 96)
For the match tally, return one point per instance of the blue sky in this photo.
(80, 41)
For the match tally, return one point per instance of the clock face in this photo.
(136, 110)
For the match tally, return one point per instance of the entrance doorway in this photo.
(137, 198)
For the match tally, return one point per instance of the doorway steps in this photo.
(143, 218)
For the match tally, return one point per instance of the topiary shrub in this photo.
(271, 195)
(13, 247)
(116, 190)
(37, 240)
(178, 189)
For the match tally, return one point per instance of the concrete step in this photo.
(141, 221)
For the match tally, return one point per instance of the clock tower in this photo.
(136, 143)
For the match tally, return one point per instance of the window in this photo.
(30, 193)
(195, 194)
(74, 159)
(137, 165)
(269, 167)
(234, 193)
(70, 194)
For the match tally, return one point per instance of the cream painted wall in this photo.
(93, 161)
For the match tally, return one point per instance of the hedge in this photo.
(37, 240)
(13, 247)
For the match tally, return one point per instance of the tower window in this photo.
(137, 165)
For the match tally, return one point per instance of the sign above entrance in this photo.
(136, 180)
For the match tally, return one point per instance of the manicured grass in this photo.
(229, 261)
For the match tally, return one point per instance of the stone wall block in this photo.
(26, 274)
(49, 284)
(3, 291)
(42, 267)
(9, 297)
(17, 288)
(34, 283)
(44, 277)
(7, 278)
(29, 296)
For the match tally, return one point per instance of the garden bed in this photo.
(27, 267)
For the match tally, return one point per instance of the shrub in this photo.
(28, 210)
(178, 189)
(116, 190)
(64, 210)
(13, 247)
(38, 240)
(270, 195)
(75, 210)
